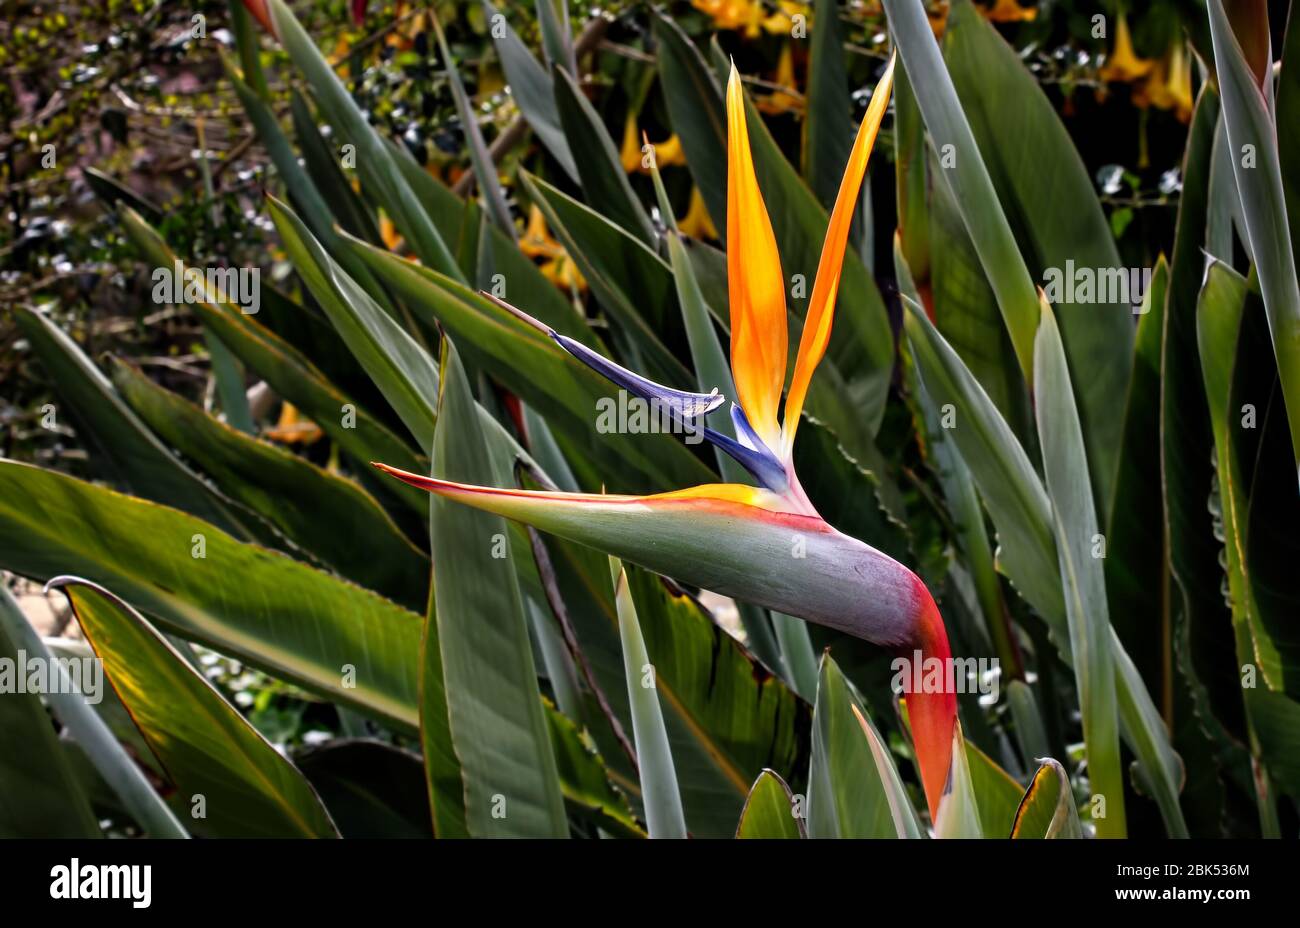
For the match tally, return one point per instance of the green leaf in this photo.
(847, 797)
(1248, 113)
(533, 92)
(556, 42)
(950, 134)
(481, 644)
(1082, 576)
(39, 793)
(1030, 733)
(275, 613)
(134, 457)
(379, 173)
(211, 754)
(996, 793)
(659, 791)
(1047, 810)
(1032, 160)
(394, 360)
(327, 515)
(372, 789)
(901, 810)
(70, 695)
(604, 182)
(769, 810)
(111, 192)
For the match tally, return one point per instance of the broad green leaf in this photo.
(329, 516)
(133, 456)
(556, 41)
(1271, 547)
(242, 785)
(372, 789)
(1029, 730)
(770, 810)
(532, 89)
(482, 646)
(1048, 810)
(996, 793)
(542, 374)
(1032, 160)
(901, 810)
(111, 192)
(379, 173)
(1082, 575)
(604, 182)
(951, 135)
(39, 793)
(846, 796)
(72, 706)
(1250, 119)
(1015, 498)
(290, 374)
(268, 610)
(1287, 119)
(659, 791)
(393, 359)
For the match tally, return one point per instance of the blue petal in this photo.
(681, 402)
(751, 452)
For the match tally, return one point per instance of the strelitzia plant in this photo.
(763, 543)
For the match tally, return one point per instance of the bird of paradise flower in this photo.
(764, 544)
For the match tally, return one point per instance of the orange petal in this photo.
(757, 289)
(821, 306)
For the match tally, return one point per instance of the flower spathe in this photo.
(765, 544)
